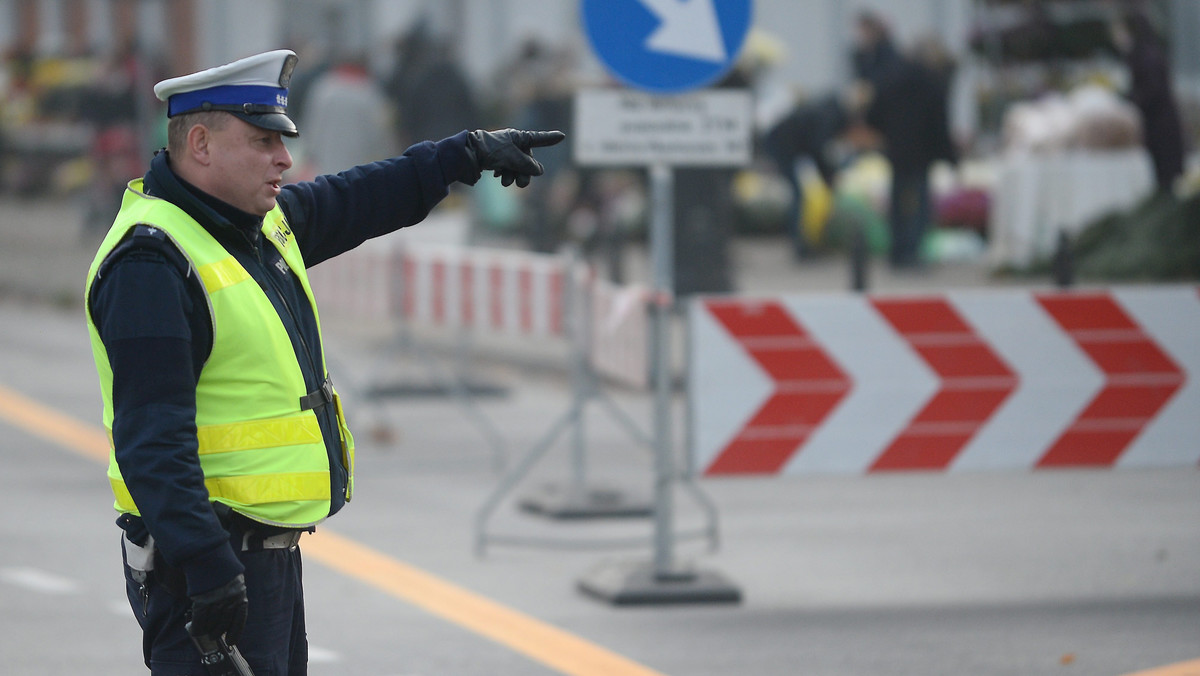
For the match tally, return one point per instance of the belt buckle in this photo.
(319, 397)
(253, 541)
(287, 541)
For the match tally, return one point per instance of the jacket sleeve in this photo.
(335, 213)
(145, 316)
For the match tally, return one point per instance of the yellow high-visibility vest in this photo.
(262, 454)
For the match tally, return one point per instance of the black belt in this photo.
(317, 399)
(249, 535)
(255, 541)
(253, 536)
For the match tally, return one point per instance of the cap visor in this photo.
(274, 121)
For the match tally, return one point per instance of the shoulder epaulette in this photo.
(143, 237)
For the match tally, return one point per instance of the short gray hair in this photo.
(179, 126)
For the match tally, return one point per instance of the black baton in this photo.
(218, 657)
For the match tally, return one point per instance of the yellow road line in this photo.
(542, 642)
(537, 640)
(40, 421)
(1190, 668)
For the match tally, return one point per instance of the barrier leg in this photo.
(466, 401)
(579, 499)
(484, 538)
(710, 530)
(624, 420)
(587, 500)
(516, 474)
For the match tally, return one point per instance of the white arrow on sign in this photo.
(688, 28)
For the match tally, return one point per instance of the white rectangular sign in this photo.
(618, 127)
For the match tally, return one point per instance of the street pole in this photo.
(662, 191)
(661, 580)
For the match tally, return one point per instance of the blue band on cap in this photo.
(224, 95)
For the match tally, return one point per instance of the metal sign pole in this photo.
(669, 124)
(661, 580)
(662, 191)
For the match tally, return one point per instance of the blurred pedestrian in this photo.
(115, 151)
(228, 439)
(909, 109)
(704, 214)
(805, 134)
(347, 117)
(874, 56)
(1150, 89)
(429, 89)
(542, 83)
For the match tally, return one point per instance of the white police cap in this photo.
(254, 89)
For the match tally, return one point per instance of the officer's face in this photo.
(248, 163)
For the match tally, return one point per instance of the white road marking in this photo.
(322, 655)
(39, 581)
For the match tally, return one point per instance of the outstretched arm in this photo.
(335, 213)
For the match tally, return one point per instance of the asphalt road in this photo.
(1054, 573)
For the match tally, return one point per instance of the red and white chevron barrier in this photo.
(960, 381)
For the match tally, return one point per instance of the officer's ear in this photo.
(198, 141)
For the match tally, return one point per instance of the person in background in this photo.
(432, 94)
(806, 133)
(909, 109)
(875, 55)
(348, 118)
(1150, 91)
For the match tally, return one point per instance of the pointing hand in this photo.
(508, 153)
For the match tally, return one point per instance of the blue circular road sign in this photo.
(667, 46)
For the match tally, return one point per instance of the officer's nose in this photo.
(284, 158)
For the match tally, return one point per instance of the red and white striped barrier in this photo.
(501, 291)
(487, 292)
(960, 381)
(620, 330)
(358, 284)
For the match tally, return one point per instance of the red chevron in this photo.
(974, 383)
(1139, 379)
(808, 385)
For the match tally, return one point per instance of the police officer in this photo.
(228, 439)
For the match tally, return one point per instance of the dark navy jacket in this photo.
(152, 316)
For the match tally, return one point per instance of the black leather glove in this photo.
(221, 611)
(508, 153)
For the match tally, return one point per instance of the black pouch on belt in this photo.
(170, 577)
